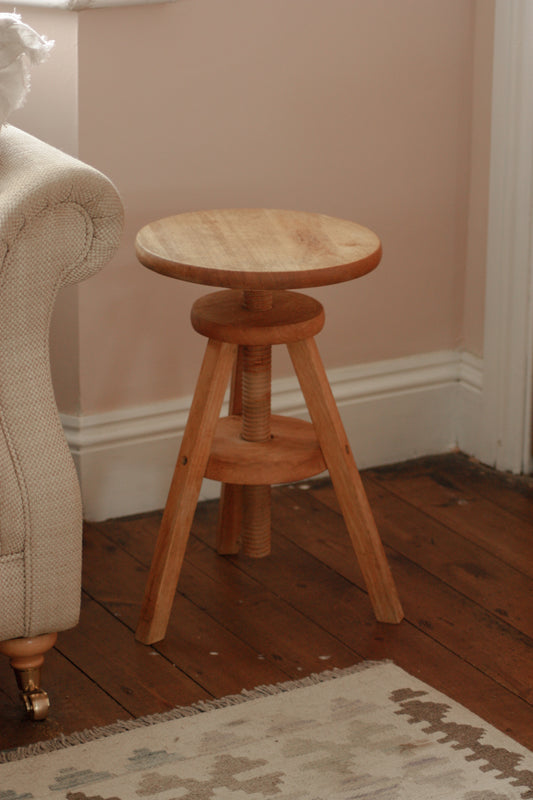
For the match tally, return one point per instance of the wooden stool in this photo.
(257, 255)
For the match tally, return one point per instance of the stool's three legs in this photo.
(246, 509)
(184, 491)
(346, 480)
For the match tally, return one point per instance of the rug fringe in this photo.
(122, 726)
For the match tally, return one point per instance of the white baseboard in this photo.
(392, 411)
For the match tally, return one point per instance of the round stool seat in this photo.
(258, 249)
(223, 316)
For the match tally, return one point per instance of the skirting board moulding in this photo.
(392, 411)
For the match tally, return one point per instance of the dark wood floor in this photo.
(459, 538)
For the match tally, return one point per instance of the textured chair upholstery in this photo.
(60, 222)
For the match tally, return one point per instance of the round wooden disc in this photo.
(258, 248)
(223, 316)
(292, 454)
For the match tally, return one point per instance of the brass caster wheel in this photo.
(37, 704)
(26, 657)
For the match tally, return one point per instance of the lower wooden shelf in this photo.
(291, 454)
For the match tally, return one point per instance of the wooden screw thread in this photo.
(256, 521)
(256, 391)
(256, 378)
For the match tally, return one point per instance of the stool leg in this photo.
(184, 491)
(346, 480)
(231, 494)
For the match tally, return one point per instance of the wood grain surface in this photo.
(241, 622)
(258, 248)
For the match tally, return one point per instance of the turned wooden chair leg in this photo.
(184, 491)
(26, 657)
(346, 480)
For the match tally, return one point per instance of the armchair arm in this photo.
(60, 222)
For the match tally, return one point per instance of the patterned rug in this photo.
(370, 733)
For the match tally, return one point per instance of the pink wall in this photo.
(51, 113)
(51, 110)
(363, 109)
(474, 285)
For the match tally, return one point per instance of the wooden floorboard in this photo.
(459, 538)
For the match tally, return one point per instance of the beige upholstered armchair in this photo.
(60, 222)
